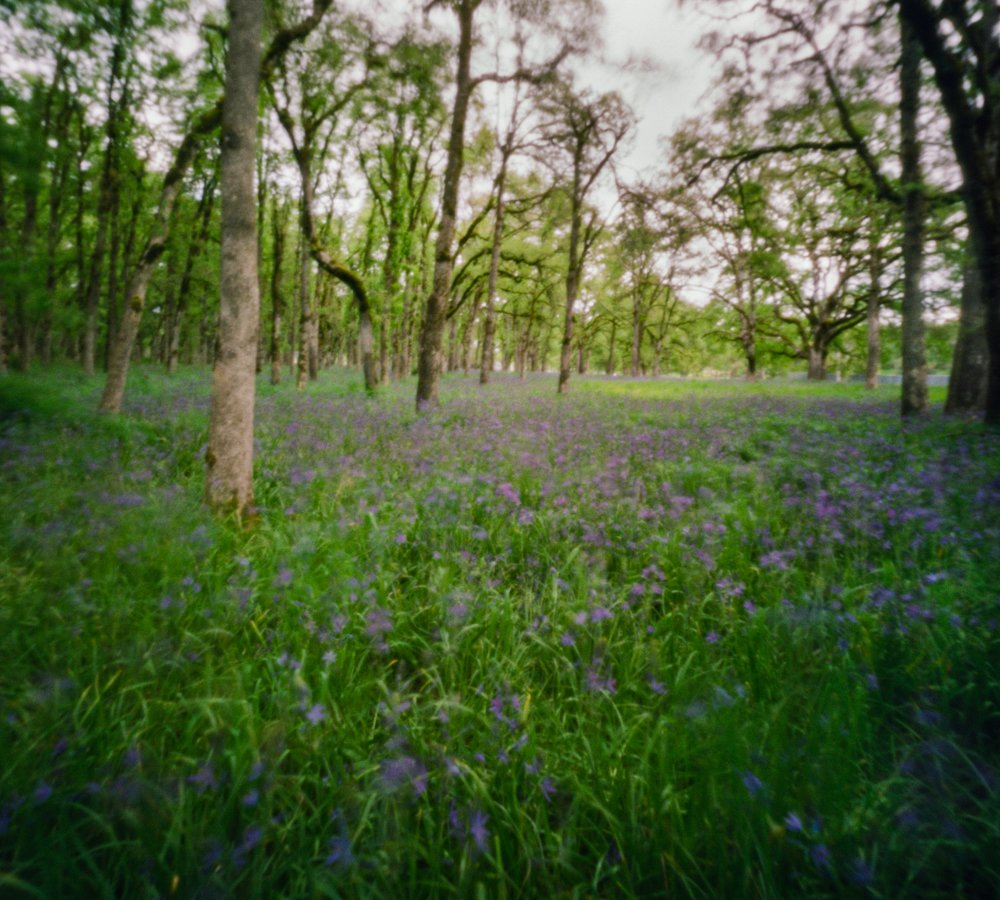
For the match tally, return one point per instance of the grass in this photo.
(651, 639)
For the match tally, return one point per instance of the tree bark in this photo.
(432, 330)
(970, 362)
(914, 393)
(489, 321)
(573, 272)
(107, 203)
(277, 301)
(229, 474)
(817, 363)
(873, 309)
(203, 221)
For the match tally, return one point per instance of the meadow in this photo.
(653, 639)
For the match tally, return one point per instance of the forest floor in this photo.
(649, 639)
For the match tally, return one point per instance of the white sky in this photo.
(667, 37)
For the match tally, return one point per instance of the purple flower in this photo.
(820, 855)
(251, 798)
(204, 779)
(477, 828)
(860, 873)
(509, 493)
(283, 578)
(340, 851)
(712, 637)
(752, 783)
(793, 823)
(42, 792)
(401, 771)
(316, 714)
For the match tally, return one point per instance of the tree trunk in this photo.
(3, 288)
(970, 362)
(432, 331)
(610, 368)
(817, 363)
(107, 202)
(198, 240)
(229, 475)
(873, 310)
(277, 303)
(305, 316)
(573, 272)
(914, 393)
(636, 334)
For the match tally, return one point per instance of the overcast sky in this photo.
(667, 37)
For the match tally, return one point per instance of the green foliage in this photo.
(650, 639)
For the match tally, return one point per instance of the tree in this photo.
(204, 124)
(587, 130)
(542, 17)
(229, 475)
(961, 40)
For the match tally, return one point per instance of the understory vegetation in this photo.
(648, 639)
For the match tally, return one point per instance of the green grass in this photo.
(651, 639)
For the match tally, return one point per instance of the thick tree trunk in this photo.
(989, 269)
(610, 367)
(914, 394)
(229, 475)
(965, 71)
(970, 362)
(432, 331)
(817, 363)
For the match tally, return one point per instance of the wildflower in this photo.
(251, 798)
(401, 771)
(657, 687)
(712, 637)
(548, 788)
(42, 792)
(860, 873)
(820, 855)
(599, 614)
(204, 779)
(752, 783)
(340, 851)
(330, 657)
(316, 714)
(478, 830)
(793, 823)
(251, 838)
